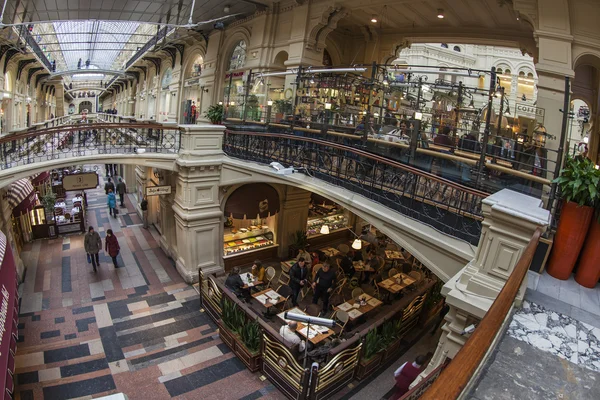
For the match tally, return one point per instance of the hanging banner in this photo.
(86, 180)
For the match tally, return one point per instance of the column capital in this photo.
(200, 140)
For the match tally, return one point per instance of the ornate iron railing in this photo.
(86, 140)
(445, 205)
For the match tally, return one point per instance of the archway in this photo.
(85, 106)
(193, 92)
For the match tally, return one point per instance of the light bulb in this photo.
(325, 230)
(357, 244)
(374, 18)
(440, 13)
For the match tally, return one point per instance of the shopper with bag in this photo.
(111, 246)
(92, 243)
(112, 203)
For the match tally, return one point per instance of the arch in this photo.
(85, 105)
(325, 25)
(333, 49)
(166, 79)
(280, 59)
(444, 45)
(457, 49)
(587, 58)
(236, 58)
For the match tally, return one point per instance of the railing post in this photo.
(561, 143)
(486, 132)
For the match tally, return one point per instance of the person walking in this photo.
(109, 185)
(323, 285)
(111, 246)
(406, 374)
(112, 203)
(121, 189)
(298, 279)
(92, 243)
(144, 207)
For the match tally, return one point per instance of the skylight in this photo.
(99, 42)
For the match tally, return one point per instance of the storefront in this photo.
(234, 86)
(192, 92)
(9, 316)
(327, 221)
(22, 199)
(250, 232)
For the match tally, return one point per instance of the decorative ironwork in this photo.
(3, 49)
(9, 54)
(30, 40)
(32, 72)
(40, 77)
(446, 206)
(181, 48)
(173, 53)
(86, 140)
(143, 68)
(162, 33)
(22, 65)
(156, 61)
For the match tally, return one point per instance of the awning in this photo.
(21, 196)
(8, 310)
(39, 178)
(252, 200)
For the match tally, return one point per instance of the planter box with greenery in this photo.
(371, 356)
(214, 113)
(390, 339)
(242, 337)
(579, 184)
(299, 241)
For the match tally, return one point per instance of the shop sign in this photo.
(86, 180)
(234, 75)
(157, 190)
(192, 82)
(530, 110)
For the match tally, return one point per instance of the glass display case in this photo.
(246, 239)
(335, 222)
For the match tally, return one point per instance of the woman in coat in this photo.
(111, 246)
(112, 203)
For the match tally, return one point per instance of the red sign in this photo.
(234, 74)
(8, 292)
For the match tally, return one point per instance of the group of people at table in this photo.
(324, 272)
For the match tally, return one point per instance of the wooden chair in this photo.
(343, 317)
(316, 269)
(284, 279)
(357, 292)
(269, 276)
(376, 292)
(285, 268)
(340, 287)
(343, 248)
(313, 310)
(418, 277)
(392, 272)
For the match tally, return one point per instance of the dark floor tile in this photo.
(141, 269)
(112, 348)
(21, 325)
(49, 334)
(82, 310)
(66, 353)
(20, 339)
(153, 301)
(154, 333)
(168, 352)
(119, 311)
(207, 331)
(253, 396)
(141, 289)
(127, 220)
(26, 378)
(66, 274)
(66, 246)
(70, 336)
(59, 320)
(35, 318)
(24, 315)
(99, 298)
(26, 394)
(80, 388)
(224, 348)
(83, 324)
(83, 368)
(204, 377)
(45, 304)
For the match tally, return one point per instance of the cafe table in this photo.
(287, 265)
(360, 266)
(394, 255)
(320, 332)
(330, 251)
(392, 286)
(268, 298)
(355, 310)
(249, 280)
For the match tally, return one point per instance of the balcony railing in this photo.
(441, 203)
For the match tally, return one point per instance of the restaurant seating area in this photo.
(378, 310)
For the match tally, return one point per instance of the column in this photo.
(293, 216)
(168, 238)
(197, 208)
(140, 186)
(59, 96)
(510, 220)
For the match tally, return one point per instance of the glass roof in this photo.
(99, 42)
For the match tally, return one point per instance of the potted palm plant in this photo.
(214, 113)
(299, 241)
(248, 348)
(391, 338)
(578, 183)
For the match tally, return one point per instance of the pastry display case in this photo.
(246, 239)
(334, 222)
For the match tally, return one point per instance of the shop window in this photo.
(499, 71)
(166, 80)
(456, 48)
(238, 56)
(444, 46)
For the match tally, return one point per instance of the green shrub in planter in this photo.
(372, 344)
(251, 334)
(214, 114)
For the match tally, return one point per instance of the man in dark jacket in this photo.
(323, 285)
(144, 207)
(235, 283)
(121, 189)
(298, 278)
(92, 243)
(109, 185)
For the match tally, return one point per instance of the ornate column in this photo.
(198, 214)
(168, 238)
(510, 219)
(293, 216)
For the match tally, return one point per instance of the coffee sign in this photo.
(86, 180)
(526, 109)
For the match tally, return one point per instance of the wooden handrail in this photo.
(367, 154)
(455, 378)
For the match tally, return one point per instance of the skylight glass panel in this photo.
(96, 42)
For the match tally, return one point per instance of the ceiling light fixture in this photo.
(226, 9)
(374, 18)
(440, 13)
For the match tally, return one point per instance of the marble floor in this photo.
(136, 329)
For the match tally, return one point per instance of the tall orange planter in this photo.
(569, 239)
(588, 269)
